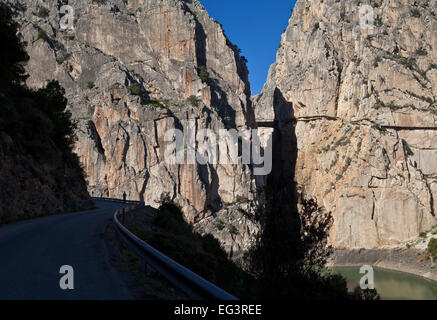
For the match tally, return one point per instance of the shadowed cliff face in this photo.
(39, 173)
(133, 70)
(364, 101)
(38, 180)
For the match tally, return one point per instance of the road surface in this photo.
(33, 251)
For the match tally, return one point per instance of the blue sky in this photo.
(255, 26)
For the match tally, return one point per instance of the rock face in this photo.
(36, 177)
(352, 108)
(364, 110)
(133, 70)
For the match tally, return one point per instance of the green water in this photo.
(393, 284)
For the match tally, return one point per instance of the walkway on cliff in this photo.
(32, 252)
(274, 123)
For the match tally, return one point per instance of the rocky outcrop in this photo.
(36, 177)
(133, 70)
(363, 103)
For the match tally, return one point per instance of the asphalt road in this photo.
(33, 251)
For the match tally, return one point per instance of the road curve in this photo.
(32, 252)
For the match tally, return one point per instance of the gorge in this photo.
(352, 110)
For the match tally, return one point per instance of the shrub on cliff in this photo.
(135, 89)
(38, 117)
(51, 100)
(12, 52)
(203, 74)
(43, 12)
(432, 247)
(193, 101)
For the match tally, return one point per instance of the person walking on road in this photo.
(124, 197)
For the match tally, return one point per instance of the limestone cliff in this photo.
(132, 70)
(39, 173)
(362, 97)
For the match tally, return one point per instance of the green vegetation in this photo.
(51, 100)
(421, 52)
(233, 229)
(203, 74)
(59, 46)
(63, 58)
(90, 85)
(227, 121)
(43, 12)
(159, 103)
(422, 237)
(426, 99)
(193, 101)
(289, 258)
(12, 54)
(43, 35)
(37, 122)
(36, 116)
(324, 149)
(416, 13)
(356, 60)
(202, 254)
(432, 247)
(219, 224)
(239, 199)
(375, 3)
(432, 66)
(136, 89)
(380, 105)
(408, 62)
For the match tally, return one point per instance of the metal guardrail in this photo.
(117, 200)
(181, 277)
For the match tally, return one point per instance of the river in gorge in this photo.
(393, 284)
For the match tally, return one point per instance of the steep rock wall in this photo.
(365, 114)
(131, 70)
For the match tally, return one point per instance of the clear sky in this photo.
(255, 26)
